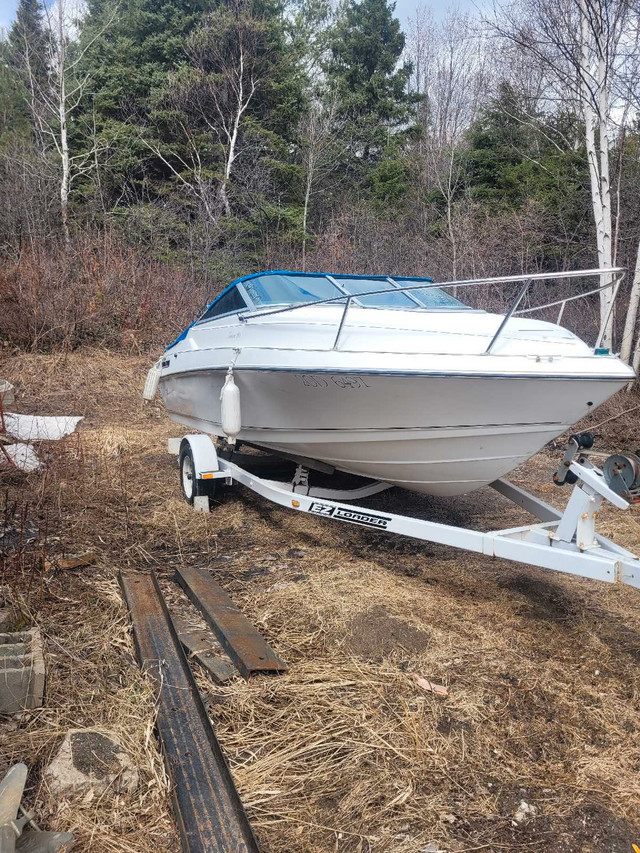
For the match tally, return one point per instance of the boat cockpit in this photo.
(282, 289)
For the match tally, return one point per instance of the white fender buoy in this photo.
(151, 384)
(230, 408)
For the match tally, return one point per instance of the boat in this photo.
(390, 378)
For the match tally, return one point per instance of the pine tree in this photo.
(28, 44)
(229, 116)
(14, 117)
(164, 80)
(131, 46)
(366, 47)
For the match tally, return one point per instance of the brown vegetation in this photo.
(100, 291)
(96, 291)
(345, 752)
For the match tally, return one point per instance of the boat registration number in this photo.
(345, 381)
(355, 516)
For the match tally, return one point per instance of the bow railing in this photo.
(610, 278)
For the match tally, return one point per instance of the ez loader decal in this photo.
(355, 516)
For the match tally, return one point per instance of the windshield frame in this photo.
(389, 283)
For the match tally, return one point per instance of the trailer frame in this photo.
(564, 541)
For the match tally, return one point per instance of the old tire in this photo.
(191, 486)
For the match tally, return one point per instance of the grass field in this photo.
(345, 752)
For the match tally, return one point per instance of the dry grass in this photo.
(344, 752)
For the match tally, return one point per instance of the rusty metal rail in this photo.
(198, 644)
(245, 646)
(209, 813)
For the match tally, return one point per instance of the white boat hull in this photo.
(434, 434)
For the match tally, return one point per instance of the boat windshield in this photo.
(277, 289)
(281, 289)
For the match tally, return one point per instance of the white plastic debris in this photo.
(21, 455)
(39, 427)
(7, 393)
(524, 812)
(28, 428)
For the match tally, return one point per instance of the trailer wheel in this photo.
(191, 486)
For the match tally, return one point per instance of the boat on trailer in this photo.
(399, 382)
(389, 378)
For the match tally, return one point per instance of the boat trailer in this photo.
(564, 541)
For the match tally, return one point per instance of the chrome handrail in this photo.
(527, 279)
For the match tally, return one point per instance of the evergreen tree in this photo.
(25, 58)
(14, 117)
(515, 154)
(178, 131)
(366, 46)
(517, 158)
(131, 58)
(128, 57)
(227, 120)
(29, 43)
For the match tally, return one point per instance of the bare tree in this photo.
(55, 99)
(320, 150)
(452, 73)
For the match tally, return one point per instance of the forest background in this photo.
(153, 150)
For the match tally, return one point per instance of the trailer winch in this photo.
(622, 473)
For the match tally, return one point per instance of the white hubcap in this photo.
(187, 476)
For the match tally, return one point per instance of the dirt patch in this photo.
(594, 829)
(375, 634)
(93, 753)
(543, 600)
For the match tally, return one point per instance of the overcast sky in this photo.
(404, 8)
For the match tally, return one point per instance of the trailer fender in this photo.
(205, 457)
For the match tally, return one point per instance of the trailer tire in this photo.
(191, 486)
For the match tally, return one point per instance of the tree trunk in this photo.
(636, 360)
(606, 296)
(305, 214)
(632, 316)
(599, 182)
(450, 228)
(65, 178)
(233, 136)
(64, 153)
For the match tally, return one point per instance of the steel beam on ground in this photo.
(209, 813)
(245, 646)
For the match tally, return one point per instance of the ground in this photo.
(345, 752)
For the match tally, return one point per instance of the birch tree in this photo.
(211, 100)
(578, 43)
(55, 97)
(629, 92)
(321, 148)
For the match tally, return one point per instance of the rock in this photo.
(90, 760)
(524, 812)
